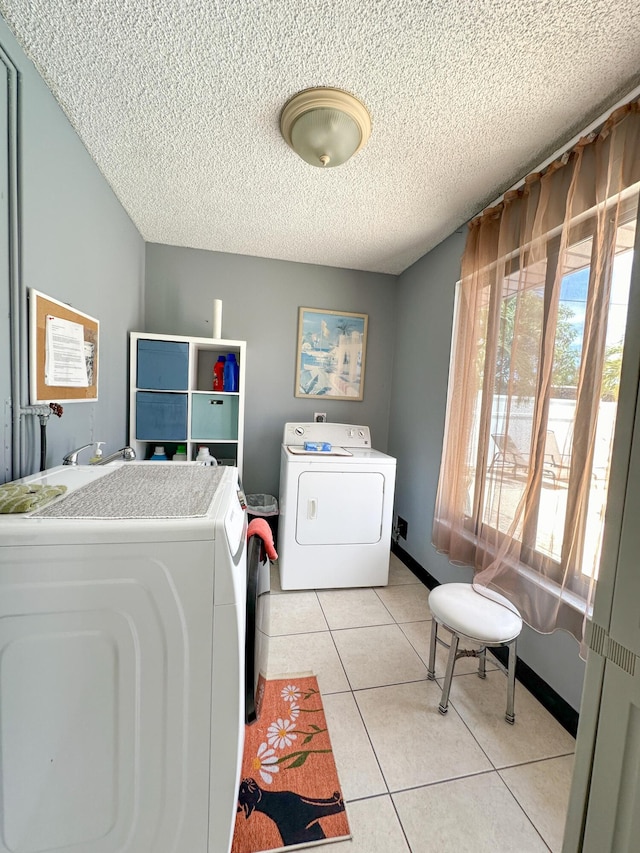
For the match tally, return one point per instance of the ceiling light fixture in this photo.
(325, 126)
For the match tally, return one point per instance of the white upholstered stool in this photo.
(485, 619)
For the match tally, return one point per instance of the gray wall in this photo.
(79, 246)
(260, 301)
(425, 301)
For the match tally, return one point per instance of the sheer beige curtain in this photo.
(533, 386)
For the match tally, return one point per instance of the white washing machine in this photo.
(122, 652)
(336, 508)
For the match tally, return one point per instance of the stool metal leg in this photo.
(431, 667)
(443, 707)
(510, 716)
(482, 663)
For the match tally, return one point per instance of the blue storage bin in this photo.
(214, 416)
(163, 365)
(161, 417)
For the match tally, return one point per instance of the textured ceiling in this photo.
(178, 102)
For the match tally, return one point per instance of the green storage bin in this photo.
(214, 417)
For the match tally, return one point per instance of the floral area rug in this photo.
(289, 795)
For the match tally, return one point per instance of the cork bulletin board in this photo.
(63, 352)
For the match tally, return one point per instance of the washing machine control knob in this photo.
(299, 430)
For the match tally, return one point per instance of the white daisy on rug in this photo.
(294, 711)
(266, 762)
(290, 693)
(280, 734)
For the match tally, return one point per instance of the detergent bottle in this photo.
(218, 374)
(231, 373)
(205, 457)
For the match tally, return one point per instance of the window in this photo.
(507, 405)
(534, 379)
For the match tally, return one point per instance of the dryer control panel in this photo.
(338, 435)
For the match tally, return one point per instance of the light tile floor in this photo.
(414, 780)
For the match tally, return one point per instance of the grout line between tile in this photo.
(522, 807)
(373, 750)
(524, 811)
(535, 761)
(442, 781)
(364, 627)
(344, 669)
(375, 589)
(360, 715)
(298, 633)
(394, 684)
(395, 808)
(468, 728)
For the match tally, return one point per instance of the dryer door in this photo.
(339, 508)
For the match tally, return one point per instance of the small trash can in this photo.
(264, 506)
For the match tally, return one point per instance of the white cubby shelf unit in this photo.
(172, 401)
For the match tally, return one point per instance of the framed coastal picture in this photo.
(332, 346)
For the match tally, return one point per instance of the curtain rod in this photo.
(631, 96)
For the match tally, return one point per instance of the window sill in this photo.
(571, 599)
(540, 584)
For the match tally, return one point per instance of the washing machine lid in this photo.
(39, 529)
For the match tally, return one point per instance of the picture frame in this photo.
(331, 354)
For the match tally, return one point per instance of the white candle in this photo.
(217, 318)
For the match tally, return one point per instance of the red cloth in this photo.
(260, 527)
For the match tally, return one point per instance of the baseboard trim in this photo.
(546, 695)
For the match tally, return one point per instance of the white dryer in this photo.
(336, 508)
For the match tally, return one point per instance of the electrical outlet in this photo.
(402, 528)
(320, 417)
